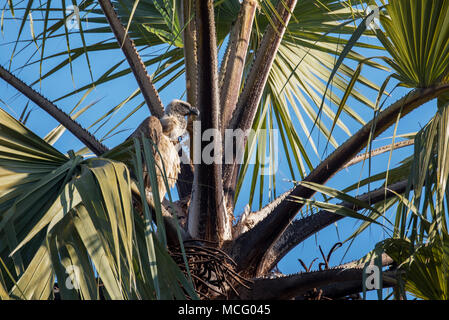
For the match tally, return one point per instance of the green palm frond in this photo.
(72, 219)
(429, 176)
(305, 61)
(425, 266)
(417, 38)
(420, 240)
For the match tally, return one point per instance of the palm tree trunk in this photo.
(190, 54)
(185, 178)
(207, 216)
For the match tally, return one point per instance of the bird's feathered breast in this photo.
(165, 155)
(173, 126)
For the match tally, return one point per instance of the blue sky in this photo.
(114, 92)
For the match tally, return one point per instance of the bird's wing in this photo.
(151, 128)
(171, 159)
(166, 157)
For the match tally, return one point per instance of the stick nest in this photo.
(212, 271)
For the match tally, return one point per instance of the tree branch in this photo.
(185, 178)
(378, 151)
(247, 105)
(386, 260)
(300, 230)
(248, 102)
(288, 287)
(207, 216)
(84, 136)
(248, 219)
(190, 51)
(138, 68)
(344, 289)
(249, 248)
(235, 62)
(64, 119)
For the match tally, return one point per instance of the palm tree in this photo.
(63, 211)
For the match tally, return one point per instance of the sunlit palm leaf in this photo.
(417, 37)
(73, 219)
(304, 63)
(425, 266)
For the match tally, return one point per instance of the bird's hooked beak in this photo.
(194, 111)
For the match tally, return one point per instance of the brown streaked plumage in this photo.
(165, 133)
(174, 122)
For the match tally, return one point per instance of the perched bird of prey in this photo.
(165, 133)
